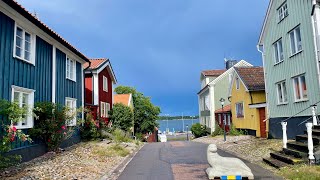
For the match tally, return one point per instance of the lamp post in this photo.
(187, 132)
(224, 121)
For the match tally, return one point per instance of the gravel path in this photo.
(89, 160)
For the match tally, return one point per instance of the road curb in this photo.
(115, 172)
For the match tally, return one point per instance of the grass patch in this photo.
(110, 151)
(301, 171)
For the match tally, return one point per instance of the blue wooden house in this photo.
(36, 65)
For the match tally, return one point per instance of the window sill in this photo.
(240, 117)
(278, 63)
(282, 104)
(301, 100)
(283, 19)
(296, 53)
(105, 90)
(24, 60)
(23, 127)
(71, 79)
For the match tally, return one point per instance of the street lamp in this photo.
(187, 132)
(224, 121)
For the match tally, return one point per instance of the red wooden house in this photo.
(224, 115)
(99, 84)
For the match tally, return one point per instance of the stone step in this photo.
(315, 132)
(294, 153)
(275, 163)
(299, 146)
(316, 127)
(285, 158)
(304, 139)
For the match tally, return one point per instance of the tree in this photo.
(145, 113)
(121, 117)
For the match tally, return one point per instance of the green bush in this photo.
(91, 127)
(51, 124)
(234, 132)
(121, 136)
(217, 131)
(121, 117)
(198, 130)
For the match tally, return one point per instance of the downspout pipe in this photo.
(260, 48)
(84, 79)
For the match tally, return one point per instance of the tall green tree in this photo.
(145, 113)
(121, 117)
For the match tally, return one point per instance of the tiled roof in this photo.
(252, 77)
(217, 72)
(121, 98)
(16, 6)
(95, 63)
(226, 108)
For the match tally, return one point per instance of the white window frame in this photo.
(295, 41)
(283, 92)
(105, 83)
(300, 88)
(104, 109)
(283, 11)
(71, 75)
(237, 110)
(237, 83)
(32, 45)
(73, 101)
(278, 51)
(29, 117)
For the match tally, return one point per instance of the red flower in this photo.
(63, 127)
(14, 129)
(49, 140)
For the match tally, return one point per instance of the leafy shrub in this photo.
(51, 124)
(122, 117)
(198, 130)
(121, 136)
(91, 127)
(9, 134)
(217, 131)
(234, 132)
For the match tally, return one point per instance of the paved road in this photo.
(178, 160)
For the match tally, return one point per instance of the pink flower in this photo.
(14, 129)
(63, 127)
(64, 133)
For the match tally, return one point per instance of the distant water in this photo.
(176, 125)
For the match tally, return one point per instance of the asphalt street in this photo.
(177, 160)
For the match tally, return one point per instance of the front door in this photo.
(263, 125)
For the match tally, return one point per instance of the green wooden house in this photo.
(289, 43)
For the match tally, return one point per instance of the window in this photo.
(219, 117)
(283, 11)
(237, 83)
(282, 93)
(25, 98)
(24, 45)
(105, 84)
(278, 51)
(300, 88)
(105, 108)
(207, 103)
(72, 104)
(239, 110)
(229, 120)
(295, 39)
(71, 69)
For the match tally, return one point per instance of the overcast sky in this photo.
(159, 46)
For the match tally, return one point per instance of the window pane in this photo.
(25, 98)
(16, 97)
(293, 44)
(280, 97)
(18, 42)
(297, 88)
(280, 50)
(284, 88)
(19, 32)
(285, 10)
(27, 55)
(276, 52)
(298, 35)
(304, 87)
(18, 52)
(27, 37)
(27, 46)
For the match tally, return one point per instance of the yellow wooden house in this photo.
(248, 100)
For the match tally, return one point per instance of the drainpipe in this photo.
(259, 46)
(85, 80)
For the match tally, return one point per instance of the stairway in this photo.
(296, 151)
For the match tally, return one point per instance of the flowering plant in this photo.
(51, 125)
(91, 127)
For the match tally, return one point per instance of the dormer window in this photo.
(283, 11)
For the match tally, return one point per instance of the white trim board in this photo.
(254, 106)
